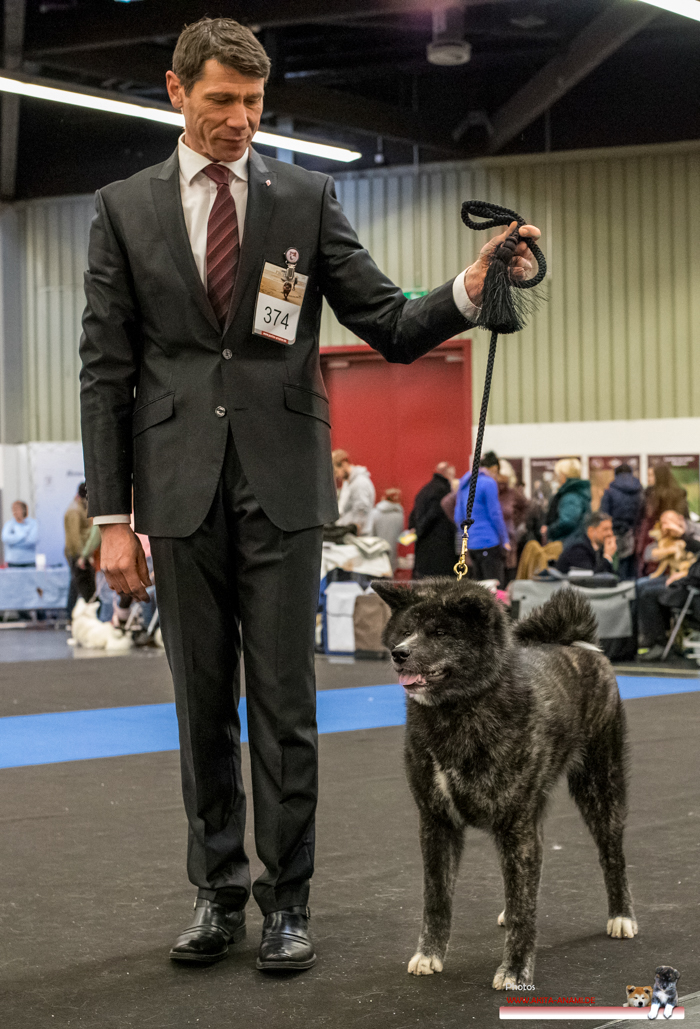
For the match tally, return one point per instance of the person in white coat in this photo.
(357, 494)
(387, 520)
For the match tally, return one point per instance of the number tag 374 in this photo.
(278, 306)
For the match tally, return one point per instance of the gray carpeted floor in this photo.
(93, 887)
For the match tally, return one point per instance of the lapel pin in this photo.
(267, 182)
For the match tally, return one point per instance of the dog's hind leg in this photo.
(598, 787)
(520, 851)
(441, 844)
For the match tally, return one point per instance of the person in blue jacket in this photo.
(488, 536)
(19, 536)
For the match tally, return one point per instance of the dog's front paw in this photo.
(424, 964)
(622, 928)
(502, 917)
(507, 979)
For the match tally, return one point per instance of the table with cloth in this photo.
(28, 589)
(614, 608)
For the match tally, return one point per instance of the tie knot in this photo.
(218, 173)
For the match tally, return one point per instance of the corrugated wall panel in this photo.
(55, 234)
(617, 338)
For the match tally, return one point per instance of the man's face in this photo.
(18, 512)
(222, 111)
(598, 534)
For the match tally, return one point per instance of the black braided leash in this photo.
(501, 312)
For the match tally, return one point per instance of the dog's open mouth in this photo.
(414, 683)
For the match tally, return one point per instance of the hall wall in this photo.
(618, 337)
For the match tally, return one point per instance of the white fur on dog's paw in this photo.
(421, 964)
(504, 980)
(622, 928)
(502, 917)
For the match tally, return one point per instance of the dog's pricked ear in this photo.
(648, 990)
(631, 989)
(393, 594)
(466, 605)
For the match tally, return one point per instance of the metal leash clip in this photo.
(461, 569)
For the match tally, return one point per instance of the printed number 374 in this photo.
(272, 317)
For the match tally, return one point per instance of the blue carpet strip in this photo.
(149, 728)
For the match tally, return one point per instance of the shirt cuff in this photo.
(461, 298)
(112, 520)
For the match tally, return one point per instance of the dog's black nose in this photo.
(400, 653)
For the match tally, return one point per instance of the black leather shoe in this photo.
(207, 939)
(285, 945)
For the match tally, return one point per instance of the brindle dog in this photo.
(494, 717)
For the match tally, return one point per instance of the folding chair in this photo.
(693, 591)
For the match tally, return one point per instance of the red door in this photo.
(401, 420)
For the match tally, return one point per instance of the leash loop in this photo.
(493, 216)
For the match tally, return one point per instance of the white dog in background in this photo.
(89, 632)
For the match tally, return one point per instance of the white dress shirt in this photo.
(198, 193)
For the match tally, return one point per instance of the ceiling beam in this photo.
(298, 100)
(359, 114)
(126, 24)
(591, 47)
(9, 108)
(316, 105)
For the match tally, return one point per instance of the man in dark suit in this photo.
(225, 434)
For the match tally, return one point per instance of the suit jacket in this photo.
(154, 373)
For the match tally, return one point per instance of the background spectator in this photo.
(435, 533)
(593, 548)
(570, 504)
(19, 536)
(514, 505)
(386, 520)
(662, 494)
(357, 494)
(623, 500)
(677, 553)
(77, 529)
(488, 536)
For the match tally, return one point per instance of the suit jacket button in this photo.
(227, 355)
(220, 412)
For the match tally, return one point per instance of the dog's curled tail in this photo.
(566, 618)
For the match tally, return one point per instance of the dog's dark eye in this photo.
(440, 632)
(408, 632)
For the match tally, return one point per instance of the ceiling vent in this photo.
(448, 47)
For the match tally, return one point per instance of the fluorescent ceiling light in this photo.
(689, 8)
(110, 105)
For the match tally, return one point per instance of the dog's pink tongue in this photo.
(408, 680)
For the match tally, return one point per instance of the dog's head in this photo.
(665, 976)
(446, 637)
(638, 996)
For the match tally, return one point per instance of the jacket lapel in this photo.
(261, 200)
(165, 189)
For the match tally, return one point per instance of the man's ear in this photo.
(396, 596)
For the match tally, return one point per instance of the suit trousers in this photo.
(237, 577)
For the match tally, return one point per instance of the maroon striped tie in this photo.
(222, 243)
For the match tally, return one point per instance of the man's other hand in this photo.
(123, 561)
(521, 266)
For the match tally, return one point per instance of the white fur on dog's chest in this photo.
(442, 783)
